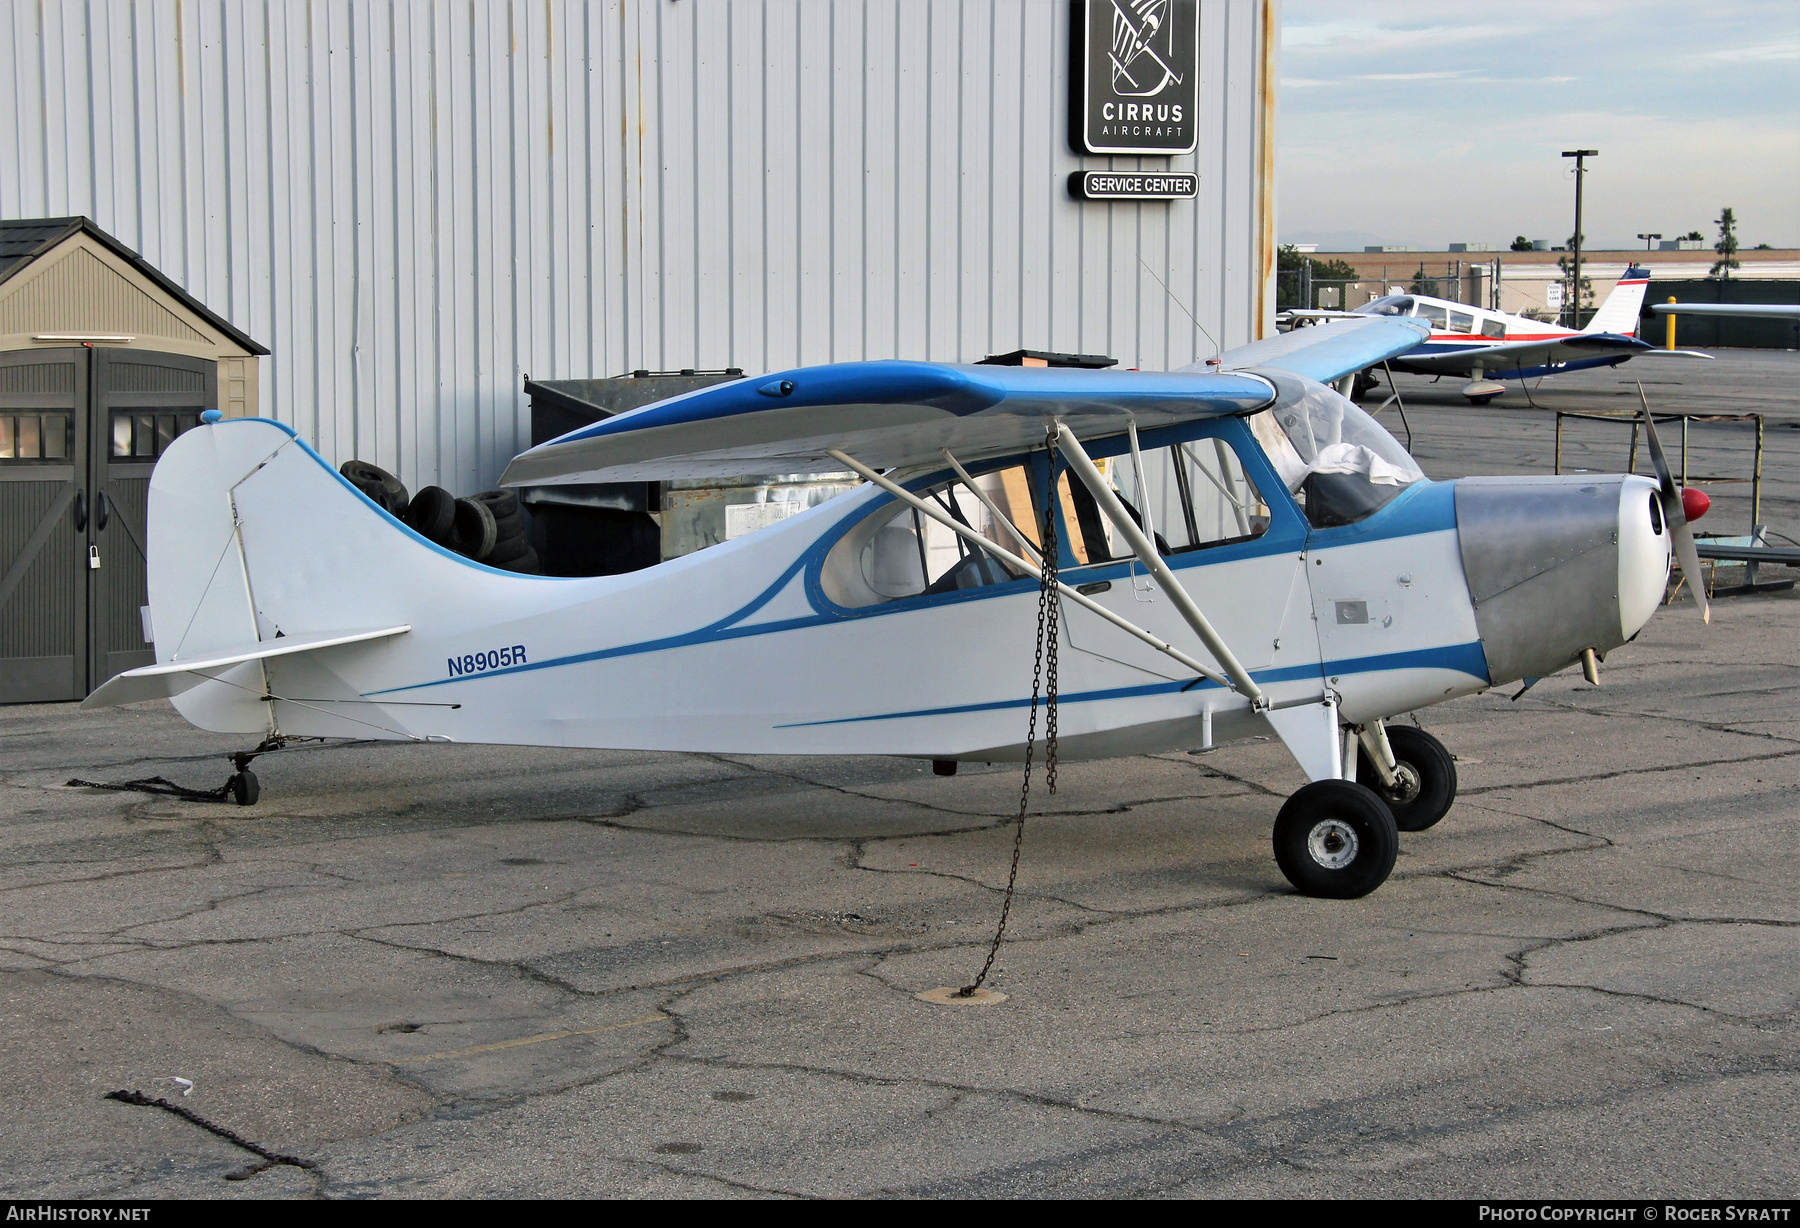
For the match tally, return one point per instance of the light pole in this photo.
(1648, 240)
(1580, 156)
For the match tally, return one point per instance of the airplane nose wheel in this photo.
(1335, 839)
(1425, 783)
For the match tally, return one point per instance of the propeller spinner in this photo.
(1678, 507)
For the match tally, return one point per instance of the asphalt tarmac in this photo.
(471, 971)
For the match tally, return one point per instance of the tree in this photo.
(1695, 235)
(1727, 246)
(1290, 266)
(1521, 244)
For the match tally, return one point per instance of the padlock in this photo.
(94, 558)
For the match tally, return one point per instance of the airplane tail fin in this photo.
(270, 576)
(1619, 313)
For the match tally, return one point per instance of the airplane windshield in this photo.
(1333, 457)
(1387, 305)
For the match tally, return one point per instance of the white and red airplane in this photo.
(1490, 346)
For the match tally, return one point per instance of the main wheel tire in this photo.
(1362, 386)
(1426, 780)
(472, 532)
(1478, 401)
(433, 514)
(378, 484)
(1336, 840)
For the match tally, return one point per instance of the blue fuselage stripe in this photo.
(1461, 658)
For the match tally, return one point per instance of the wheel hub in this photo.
(1406, 786)
(1332, 843)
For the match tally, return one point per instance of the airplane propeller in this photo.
(1676, 507)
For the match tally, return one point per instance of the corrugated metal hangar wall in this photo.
(414, 204)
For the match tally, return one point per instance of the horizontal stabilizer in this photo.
(169, 678)
(1328, 352)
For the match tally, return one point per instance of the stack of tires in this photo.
(489, 527)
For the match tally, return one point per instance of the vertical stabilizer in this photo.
(1619, 313)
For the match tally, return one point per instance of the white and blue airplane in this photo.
(1240, 551)
(1489, 346)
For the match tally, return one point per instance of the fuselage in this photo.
(743, 647)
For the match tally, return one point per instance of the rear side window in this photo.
(898, 552)
(1494, 328)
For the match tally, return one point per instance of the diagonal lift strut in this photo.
(1031, 569)
(1083, 467)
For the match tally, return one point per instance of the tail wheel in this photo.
(244, 788)
(473, 530)
(1336, 840)
(1425, 778)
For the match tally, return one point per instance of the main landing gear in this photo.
(1337, 839)
(1424, 778)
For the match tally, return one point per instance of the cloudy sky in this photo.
(1404, 121)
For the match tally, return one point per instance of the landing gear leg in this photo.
(1424, 783)
(1335, 839)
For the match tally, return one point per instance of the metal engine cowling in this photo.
(1556, 565)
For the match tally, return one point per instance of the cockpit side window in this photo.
(1387, 305)
(1193, 495)
(1433, 312)
(1335, 459)
(898, 552)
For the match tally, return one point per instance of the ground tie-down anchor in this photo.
(270, 1158)
(241, 788)
(1043, 682)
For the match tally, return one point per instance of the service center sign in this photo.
(1133, 185)
(1141, 75)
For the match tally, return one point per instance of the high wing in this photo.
(1499, 360)
(892, 414)
(896, 414)
(1328, 352)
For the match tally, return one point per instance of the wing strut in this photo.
(1031, 569)
(992, 507)
(1153, 562)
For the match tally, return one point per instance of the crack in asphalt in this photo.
(1239, 1131)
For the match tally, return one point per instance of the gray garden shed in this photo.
(103, 362)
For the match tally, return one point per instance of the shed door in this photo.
(141, 402)
(45, 510)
